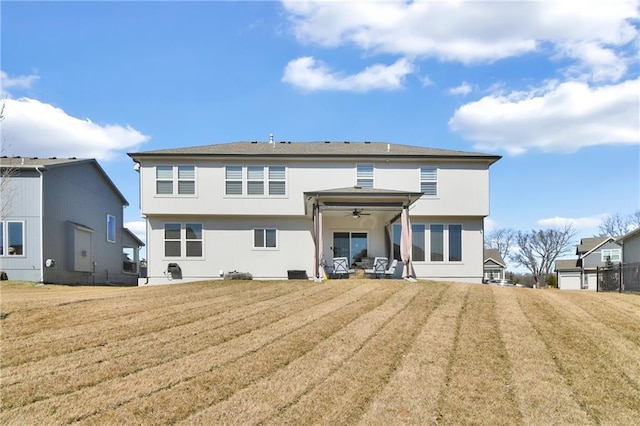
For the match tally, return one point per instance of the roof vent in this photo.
(270, 137)
(327, 142)
(367, 142)
(254, 141)
(346, 142)
(388, 147)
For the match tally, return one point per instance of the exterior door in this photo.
(352, 245)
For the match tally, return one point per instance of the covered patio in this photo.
(357, 223)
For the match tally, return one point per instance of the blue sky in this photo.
(553, 87)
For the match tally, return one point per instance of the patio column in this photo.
(318, 269)
(405, 244)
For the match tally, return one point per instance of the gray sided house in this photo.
(494, 264)
(62, 222)
(580, 273)
(309, 209)
(630, 246)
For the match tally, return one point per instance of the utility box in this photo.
(175, 271)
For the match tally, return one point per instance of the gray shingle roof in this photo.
(588, 244)
(32, 162)
(493, 254)
(315, 149)
(567, 265)
(26, 163)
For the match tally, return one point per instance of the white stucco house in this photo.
(269, 208)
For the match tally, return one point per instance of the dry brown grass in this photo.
(295, 352)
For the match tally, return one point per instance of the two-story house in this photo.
(581, 273)
(270, 207)
(62, 222)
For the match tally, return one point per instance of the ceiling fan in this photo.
(356, 213)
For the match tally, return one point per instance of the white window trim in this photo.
(265, 180)
(175, 181)
(372, 178)
(264, 231)
(448, 248)
(183, 242)
(609, 253)
(115, 228)
(5, 238)
(420, 180)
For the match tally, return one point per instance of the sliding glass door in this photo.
(352, 245)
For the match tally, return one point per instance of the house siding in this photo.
(228, 220)
(24, 205)
(631, 249)
(78, 194)
(463, 189)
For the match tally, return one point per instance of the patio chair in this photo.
(379, 267)
(391, 271)
(341, 267)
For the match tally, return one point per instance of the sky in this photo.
(551, 86)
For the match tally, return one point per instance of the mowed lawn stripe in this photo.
(412, 393)
(599, 384)
(94, 333)
(114, 392)
(344, 395)
(277, 391)
(31, 382)
(478, 391)
(231, 379)
(621, 317)
(67, 312)
(544, 397)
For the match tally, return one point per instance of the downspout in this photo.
(41, 224)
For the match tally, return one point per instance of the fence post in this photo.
(620, 279)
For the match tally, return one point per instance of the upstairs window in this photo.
(277, 180)
(429, 180)
(179, 180)
(610, 254)
(233, 180)
(111, 228)
(364, 178)
(255, 180)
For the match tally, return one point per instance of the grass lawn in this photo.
(297, 352)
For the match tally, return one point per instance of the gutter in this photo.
(39, 170)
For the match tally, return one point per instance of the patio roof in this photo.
(356, 197)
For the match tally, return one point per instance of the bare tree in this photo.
(538, 250)
(616, 225)
(500, 239)
(7, 171)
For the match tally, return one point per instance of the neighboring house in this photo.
(269, 208)
(62, 222)
(630, 246)
(494, 265)
(580, 273)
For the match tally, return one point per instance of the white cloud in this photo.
(426, 81)
(581, 224)
(489, 225)
(556, 117)
(20, 82)
(309, 74)
(474, 31)
(463, 89)
(34, 128)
